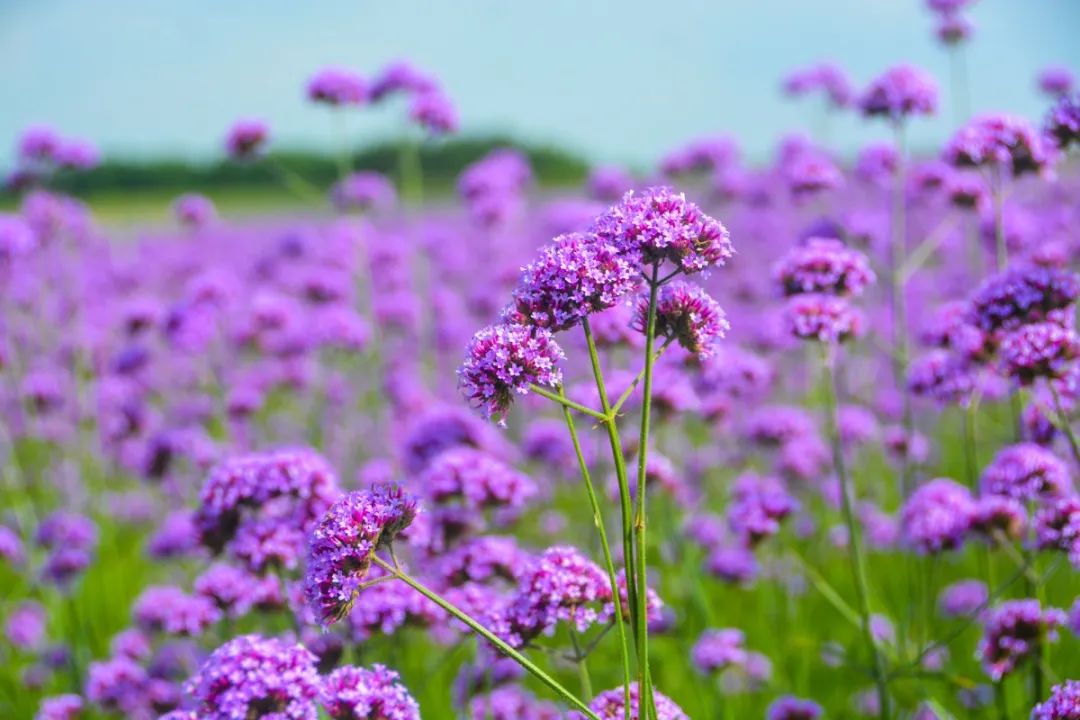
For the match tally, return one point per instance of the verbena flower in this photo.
(823, 318)
(1057, 527)
(337, 87)
(1063, 703)
(661, 225)
(1042, 350)
(685, 312)
(252, 676)
(575, 276)
(433, 111)
(246, 139)
(476, 479)
(1062, 123)
(168, 609)
(1012, 633)
(364, 191)
(793, 708)
(942, 376)
(937, 516)
(611, 705)
(963, 598)
(1026, 471)
(899, 92)
(355, 693)
(1022, 295)
(193, 210)
(343, 542)
(1056, 81)
(60, 707)
(827, 78)
(503, 361)
(999, 141)
(236, 591)
(400, 77)
(510, 702)
(954, 29)
(823, 265)
(718, 650)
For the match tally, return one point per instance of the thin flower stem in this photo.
(625, 504)
(637, 380)
(609, 562)
(858, 569)
(1063, 419)
(483, 632)
(644, 678)
(970, 461)
(568, 403)
(898, 247)
(581, 660)
(1001, 701)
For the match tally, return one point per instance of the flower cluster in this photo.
(998, 141)
(355, 692)
(685, 312)
(611, 705)
(1063, 703)
(1013, 632)
(900, 92)
(1042, 350)
(504, 360)
(937, 516)
(337, 87)
(823, 265)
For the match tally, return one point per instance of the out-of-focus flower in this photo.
(823, 265)
(611, 705)
(1000, 141)
(937, 516)
(900, 92)
(1013, 631)
(1056, 81)
(246, 139)
(1042, 350)
(337, 87)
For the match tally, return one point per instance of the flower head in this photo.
(576, 275)
(252, 676)
(1013, 632)
(793, 708)
(363, 191)
(1026, 471)
(964, 597)
(661, 225)
(246, 139)
(687, 313)
(1062, 123)
(1042, 350)
(343, 542)
(899, 92)
(400, 77)
(823, 265)
(937, 516)
(1056, 81)
(433, 111)
(1022, 295)
(503, 361)
(717, 650)
(337, 87)
(998, 141)
(824, 318)
(611, 705)
(1063, 703)
(354, 693)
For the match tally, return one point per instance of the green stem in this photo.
(1063, 419)
(858, 569)
(483, 632)
(411, 171)
(625, 504)
(566, 402)
(637, 380)
(640, 524)
(898, 247)
(970, 461)
(581, 660)
(609, 562)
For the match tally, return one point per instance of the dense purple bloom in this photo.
(937, 516)
(193, 210)
(25, 626)
(826, 77)
(823, 265)
(733, 564)
(942, 376)
(997, 141)
(1063, 703)
(363, 191)
(117, 685)
(998, 516)
(811, 172)
(1063, 121)
(236, 591)
(576, 275)
(442, 428)
(504, 360)
(1057, 527)
(1056, 81)
(66, 530)
(611, 705)
(699, 155)
(39, 144)
(511, 702)
(168, 609)
(954, 29)
(793, 708)
(824, 318)
(246, 139)
(661, 225)
(484, 559)
(1013, 631)
(477, 479)
(60, 707)
(1042, 350)
(899, 92)
(433, 111)
(336, 87)
(1022, 295)
(561, 585)
(11, 546)
(758, 505)
(963, 598)
(687, 313)
(717, 650)
(400, 77)
(608, 183)
(252, 676)
(343, 543)
(1026, 471)
(356, 693)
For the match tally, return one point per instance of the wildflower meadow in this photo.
(713, 439)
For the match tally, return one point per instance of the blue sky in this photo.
(619, 80)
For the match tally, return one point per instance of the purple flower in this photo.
(363, 191)
(25, 626)
(236, 591)
(252, 676)
(1026, 471)
(687, 313)
(699, 155)
(575, 276)
(442, 428)
(611, 705)
(246, 139)
(433, 111)
(997, 516)
(60, 707)
(484, 559)
(937, 516)
(400, 77)
(823, 318)
(608, 183)
(899, 92)
(337, 87)
(511, 702)
(168, 609)
(11, 546)
(758, 505)
(811, 172)
(941, 375)
(733, 564)
(1022, 295)
(877, 164)
(561, 585)
(661, 225)
(997, 141)
(954, 29)
(77, 155)
(1012, 633)
(350, 693)
(38, 144)
(963, 598)
(1063, 122)
(793, 708)
(193, 210)
(1042, 350)
(479, 480)
(825, 77)
(1056, 81)
(718, 650)
(504, 360)
(823, 265)
(343, 543)
(1063, 703)
(1057, 527)
(117, 685)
